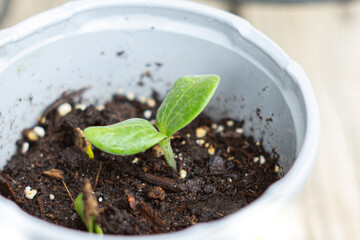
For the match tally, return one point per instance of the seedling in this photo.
(185, 101)
(86, 206)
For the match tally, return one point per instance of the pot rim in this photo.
(291, 182)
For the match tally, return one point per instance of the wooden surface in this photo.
(325, 40)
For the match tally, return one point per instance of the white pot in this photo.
(76, 46)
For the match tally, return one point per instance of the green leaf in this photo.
(90, 225)
(124, 138)
(185, 101)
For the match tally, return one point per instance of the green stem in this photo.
(168, 152)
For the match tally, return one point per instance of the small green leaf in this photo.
(124, 138)
(90, 225)
(185, 101)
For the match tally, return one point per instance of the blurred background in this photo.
(323, 36)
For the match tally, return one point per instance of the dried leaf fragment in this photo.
(90, 201)
(55, 173)
(131, 200)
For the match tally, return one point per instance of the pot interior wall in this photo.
(113, 48)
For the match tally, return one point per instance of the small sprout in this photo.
(183, 173)
(86, 206)
(25, 147)
(230, 123)
(51, 196)
(30, 193)
(239, 131)
(185, 101)
(39, 131)
(151, 102)
(82, 143)
(147, 114)
(201, 132)
(64, 109)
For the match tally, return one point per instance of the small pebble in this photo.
(216, 164)
(183, 174)
(239, 131)
(52, 197)
(262, 159)
(207, 144)
(81, 107)
(120, 91)
(188, 135)
(230, 180)
(211, 151)
(100, 199)
(39, 131)
(276, 169)
(24, 147)
(158, 151)
(32, 136)
(130, 96)
(214, 126)
(183, 142)
(147, 114)
(135, 160)
(256, 159)
(30, 194)
(64, 109)
(100, 108)
(220, 128)
(209, 189)
(257, 143)
(142, 99)
(200, 142)
(151, 102)
(230, 123)
(201, 132)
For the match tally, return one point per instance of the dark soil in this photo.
(138, 194)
